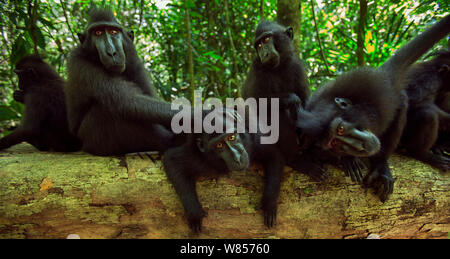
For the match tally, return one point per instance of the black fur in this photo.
(186, 163)
(112, 112)
(427, 84)
(443, 142)
(44, 123)
(286, 80)
(377, 111)
(288, 77)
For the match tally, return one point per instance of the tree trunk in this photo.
(190, 61)
(234, 72)
(261, 10)
(316, 28)
(289, 14)
(361, 32)
(50, 195)
(32, 26)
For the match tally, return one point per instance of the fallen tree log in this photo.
(53, 195)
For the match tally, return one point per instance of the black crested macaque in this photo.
(217, 154)
(426, 85)
(442, 145)
(112, 105)
(44, 123)
(277, 72)
(363, 112)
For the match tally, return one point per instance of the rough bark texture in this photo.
(361, 32)
(48, 195)
(289, 14)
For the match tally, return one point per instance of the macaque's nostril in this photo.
(112, 54)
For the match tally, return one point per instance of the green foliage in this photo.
(7, 113)
(222, 51)
(389, 25)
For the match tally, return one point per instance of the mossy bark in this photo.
(50, 195)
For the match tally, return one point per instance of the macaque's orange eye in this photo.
(231, 138)
(98, 33)
(266, 39)
(340, 130)
(113, 32)
(219, 145)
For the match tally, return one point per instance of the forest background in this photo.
(208, 44)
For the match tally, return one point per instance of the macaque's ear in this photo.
(81, 37)
(290, 32)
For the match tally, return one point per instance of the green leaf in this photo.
(47, 23)
(17, 107)
(195, 14)
(40, 39)
(19, 49)
(215, 68)
(213, 55)
(6, 113)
